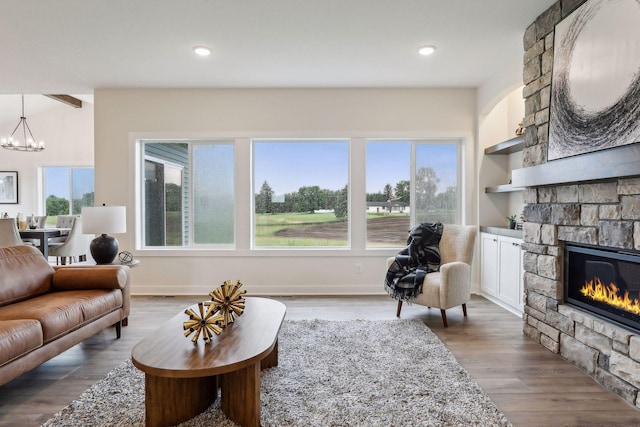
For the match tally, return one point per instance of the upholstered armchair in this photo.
(450, 286)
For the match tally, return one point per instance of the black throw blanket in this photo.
(421, 256)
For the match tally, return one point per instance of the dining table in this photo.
(43, 235)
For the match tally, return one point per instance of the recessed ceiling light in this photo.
(202, 50)
(426, 50)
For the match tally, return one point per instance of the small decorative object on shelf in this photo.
(228, 300)
(512, 222)
(520, 129)
(125, 257)
(33, 224)
(203, 324)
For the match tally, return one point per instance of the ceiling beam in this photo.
(67, 99)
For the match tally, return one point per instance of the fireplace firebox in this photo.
(604, 281)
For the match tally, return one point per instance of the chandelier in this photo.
(28, 143)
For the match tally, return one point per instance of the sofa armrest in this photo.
(94, 277)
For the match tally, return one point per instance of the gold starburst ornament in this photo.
(229, 300)
(205, 323)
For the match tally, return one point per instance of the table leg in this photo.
(170, 401)
(44, 247)
(271, 360)
(240, 396)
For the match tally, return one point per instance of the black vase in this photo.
(104, 249)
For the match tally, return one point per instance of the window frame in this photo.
(244, 192)
(43, 179)
(311, 140)
(188, 218)
(414, 143)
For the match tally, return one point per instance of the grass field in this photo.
(324, 229)
(300, 229)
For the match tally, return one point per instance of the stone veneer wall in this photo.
(602, 213)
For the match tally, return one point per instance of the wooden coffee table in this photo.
(181, 377)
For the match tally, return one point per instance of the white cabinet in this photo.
(489, 268)
(501, 276)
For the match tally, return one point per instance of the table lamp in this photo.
(102, 220)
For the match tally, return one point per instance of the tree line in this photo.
(427, 196)
(60, 206)
(306, 199)
(312, 198)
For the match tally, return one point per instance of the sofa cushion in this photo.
(18, 337)
(62, 312)
(25, 274)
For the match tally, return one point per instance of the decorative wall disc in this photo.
(203, 324)
(228, 300)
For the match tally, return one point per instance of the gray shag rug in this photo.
(330, 373)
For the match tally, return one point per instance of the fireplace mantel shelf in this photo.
(616, 162)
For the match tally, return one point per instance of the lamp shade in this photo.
(104, 219)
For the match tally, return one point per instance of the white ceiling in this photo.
(76, 46)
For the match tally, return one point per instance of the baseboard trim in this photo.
(264, 290)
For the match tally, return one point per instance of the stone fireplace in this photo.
(591, 200)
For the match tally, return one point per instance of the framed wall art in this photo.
(595, 84)
(8, 187)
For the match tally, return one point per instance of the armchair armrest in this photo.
(94, 277)
(455, 284)
(390, 261)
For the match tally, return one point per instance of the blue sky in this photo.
(288, 165)
(57, 181)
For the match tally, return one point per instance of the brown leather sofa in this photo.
(45, 310)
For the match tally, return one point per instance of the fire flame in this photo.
(598, 291)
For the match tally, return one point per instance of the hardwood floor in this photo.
(532, 386)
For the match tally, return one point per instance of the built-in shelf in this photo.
(509, 146)
(504, 188)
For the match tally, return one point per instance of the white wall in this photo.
(122, 115)
(68, 134)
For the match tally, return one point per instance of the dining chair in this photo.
(63, 221)
(41, 222)
(9, 235)
(76, 245)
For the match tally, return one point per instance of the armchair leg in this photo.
(399, 308)
(464, 309)
(118, 326)
(444, 318)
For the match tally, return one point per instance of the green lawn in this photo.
(298, 232)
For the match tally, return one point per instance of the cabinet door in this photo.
(489, 255)
(509, 271)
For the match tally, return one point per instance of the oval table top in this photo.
(251, 337)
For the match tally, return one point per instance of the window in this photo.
(388, 193)
(436, 183)
(400, 195)
(66, 190)
(188, 194)
(301, 194)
